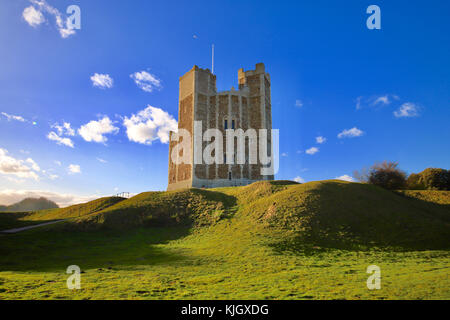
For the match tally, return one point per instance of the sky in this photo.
(86, 112)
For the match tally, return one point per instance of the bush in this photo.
(413, 182)
(385, 174)
(431, 179)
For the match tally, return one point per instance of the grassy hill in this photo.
(30, 204)
(21, 219)
(77, 210)
(326, 213)
(433, 196)
(268, 240)
(176, 208)
(336, 213)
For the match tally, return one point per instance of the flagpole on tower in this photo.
(212, 50)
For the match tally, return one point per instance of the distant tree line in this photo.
(388, 175)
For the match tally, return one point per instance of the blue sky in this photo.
(386, 92)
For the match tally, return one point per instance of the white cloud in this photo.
(312, 150)
(284, 154)
(96, 130)
(350, 133)
(299, 179)
(14, 180)
(61, 130)
(381, 100)
(58, 163)
(32, 16)
(407, 109)
(65, 129)
(146, 81)
(321, 139)
(16, 167)
(33, 164)
(8, 197)
(150, 124)
(102, 160)
(375, 100)
(60, 140)
(10, 117)
(102, 81)
(358, 103)
(345, 177)
(298, 103)
(74, 168)
(53, 176)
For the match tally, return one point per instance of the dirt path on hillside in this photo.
(15, 230)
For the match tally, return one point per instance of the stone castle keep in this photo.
(248, 107)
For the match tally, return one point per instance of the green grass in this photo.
(10, 220)
(433, 196)
(75, 211)
(255, 242)
(186, 207)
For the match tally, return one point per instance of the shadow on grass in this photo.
(282, 182)
(227, 200)
(12, 220)
(41, 251)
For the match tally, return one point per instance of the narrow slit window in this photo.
(226, 124)
(229, 175)
(232, 124)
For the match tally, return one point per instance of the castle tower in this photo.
(248, 107)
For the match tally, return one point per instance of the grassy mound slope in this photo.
(185, 207)
(434, 196)
(77, 210)
(256, 190)
(222, 247)
(337, 213)
(22, 219)
(326, 213)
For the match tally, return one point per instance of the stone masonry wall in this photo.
(249, 107)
